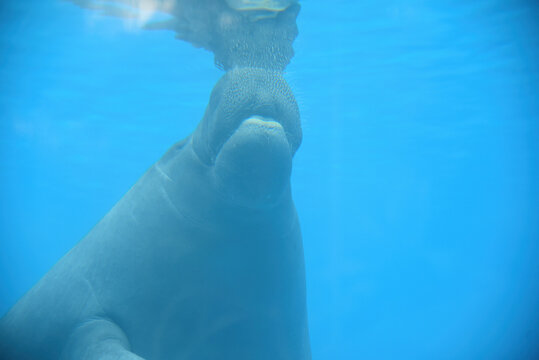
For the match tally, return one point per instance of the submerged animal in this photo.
(202, 259)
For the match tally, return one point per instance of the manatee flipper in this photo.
(98, 339)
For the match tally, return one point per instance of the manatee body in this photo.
(201, 259)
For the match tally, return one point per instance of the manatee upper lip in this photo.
(270, 111)
(262, 120)
(242, 94)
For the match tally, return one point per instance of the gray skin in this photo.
(202, 259)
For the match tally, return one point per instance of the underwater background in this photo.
(416, 183)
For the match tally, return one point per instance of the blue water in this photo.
(416, 183)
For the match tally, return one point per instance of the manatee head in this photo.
(248, 136)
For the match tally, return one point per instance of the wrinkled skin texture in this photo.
(198, 260)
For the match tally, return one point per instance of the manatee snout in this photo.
(249, 134)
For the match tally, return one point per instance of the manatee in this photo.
(201, 259)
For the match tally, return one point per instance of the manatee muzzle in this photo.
(249, 135)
